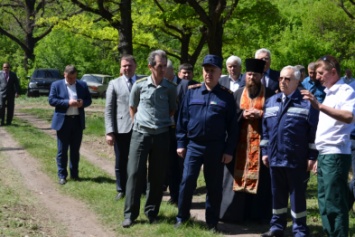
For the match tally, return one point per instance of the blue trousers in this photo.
(291, 182)
(210, 155)
(69, 136)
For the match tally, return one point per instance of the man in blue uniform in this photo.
(206, 116)
(289, 128)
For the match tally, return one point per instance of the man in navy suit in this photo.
(233, 80)
(118, 122)
(176, 163)
(9, 89)
(69, 97)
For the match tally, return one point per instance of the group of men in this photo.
(257, 136)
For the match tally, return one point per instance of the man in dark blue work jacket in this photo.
(206, 118)
(289, 129)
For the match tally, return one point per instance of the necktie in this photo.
(283, 102)
(6, 76)
(263, 80)
(129, 83)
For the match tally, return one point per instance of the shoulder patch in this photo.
(194, 86)
(142, 79)
(226, 89)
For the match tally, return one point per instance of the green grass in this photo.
(97, 189)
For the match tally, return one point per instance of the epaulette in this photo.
(171, 82)
(142, 79)
(226, 89)
(194, 86)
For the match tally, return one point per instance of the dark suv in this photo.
(41, 80)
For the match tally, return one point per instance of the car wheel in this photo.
(103, 95)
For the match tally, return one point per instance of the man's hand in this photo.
(309, 96)
(252, 114)
(226, 159)
(315, 167)
(181, 152)
(266, 161)
(310, 165)
(75, 103)
(110, 139)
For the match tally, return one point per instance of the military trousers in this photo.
(153, 148)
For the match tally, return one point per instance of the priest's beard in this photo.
(253, 88)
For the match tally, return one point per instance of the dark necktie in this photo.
(263, 80)
(283, 103)
(6, 76)
(129, 84)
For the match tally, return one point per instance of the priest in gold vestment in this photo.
(246, 184)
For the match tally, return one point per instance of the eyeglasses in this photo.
(285, 78)
(5, 67)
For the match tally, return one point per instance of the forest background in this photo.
(93, 34)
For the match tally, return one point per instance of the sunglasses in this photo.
(328, 60)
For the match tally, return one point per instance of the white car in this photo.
(97, 84)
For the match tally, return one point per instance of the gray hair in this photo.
(234, 58)
(158, 52)
(301, 68)
(296, 73)
(262, 50)
(169, 64)
(312, 65)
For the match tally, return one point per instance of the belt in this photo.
(72, 116)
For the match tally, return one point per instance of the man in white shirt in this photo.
(333, 143)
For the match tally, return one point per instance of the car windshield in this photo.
(91, 78)
(47, 74)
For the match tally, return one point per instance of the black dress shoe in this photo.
(212, 227)
(75, 178)
(172, 201)
(273, 233)
(152, 219)
(119, 196)
(127, 223)
(62, 181)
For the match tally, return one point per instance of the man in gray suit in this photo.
(9, 89)
(233, 80)
(118, 122)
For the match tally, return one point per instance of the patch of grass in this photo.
(97, 189)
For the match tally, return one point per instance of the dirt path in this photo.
(47, 192)
(69, 212)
